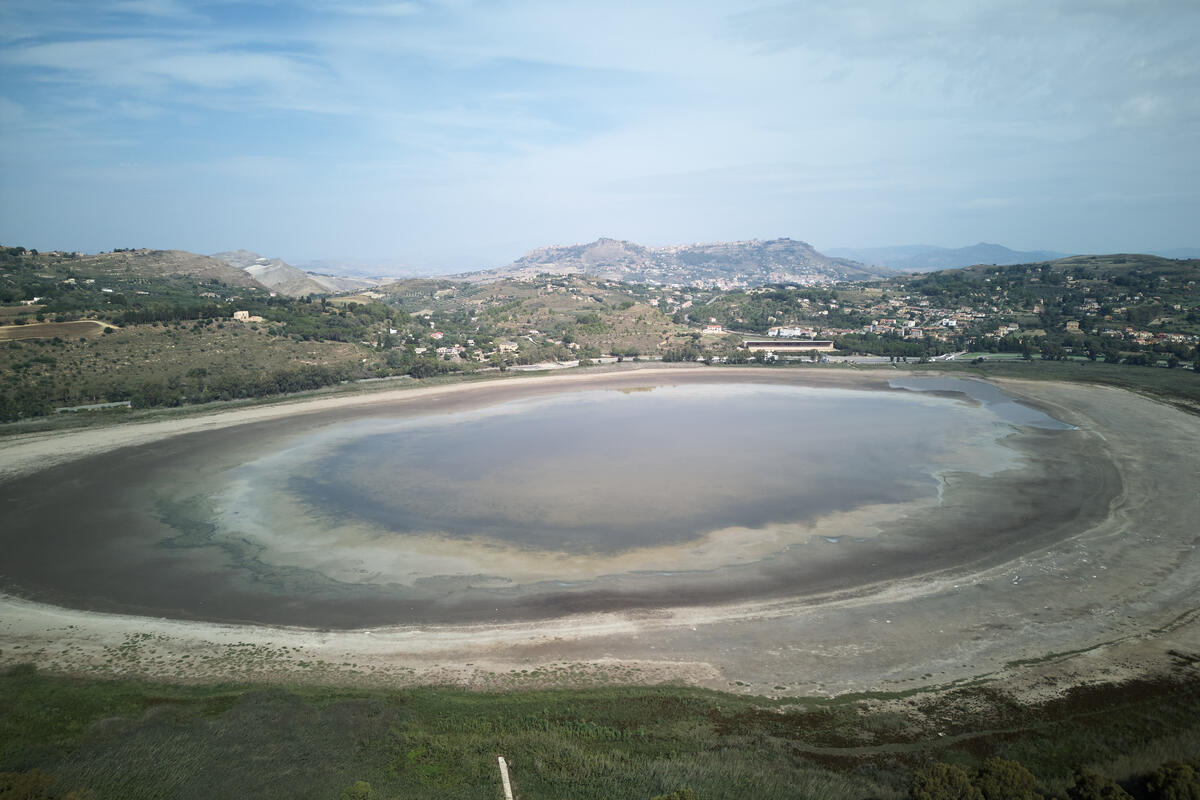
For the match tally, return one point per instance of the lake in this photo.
(547, 504)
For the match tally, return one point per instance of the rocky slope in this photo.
(719, 264)
(283, 278)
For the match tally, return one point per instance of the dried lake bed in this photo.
(781, 531)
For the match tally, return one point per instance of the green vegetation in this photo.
(1136, 310)
(128, 739)
(553, 317)
(178, 344)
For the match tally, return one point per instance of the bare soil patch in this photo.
(48, 330)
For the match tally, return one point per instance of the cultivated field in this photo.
(48, 330)
(8, 313)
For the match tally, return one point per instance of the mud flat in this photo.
(1059, 556)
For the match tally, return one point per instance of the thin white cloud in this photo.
(519, 120)
(11, 114)
(381, 9)
(149, 69)
(166, 9)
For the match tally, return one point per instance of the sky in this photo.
(450, 134)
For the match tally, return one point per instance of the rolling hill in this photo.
(930, 258)
(160, 263)
(283, 278)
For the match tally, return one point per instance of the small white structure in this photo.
(794, 345)
(508, 795)
(784, 330)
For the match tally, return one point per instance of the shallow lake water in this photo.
(1000, 404)
(608, 471)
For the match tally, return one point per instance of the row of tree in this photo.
(1001, 779)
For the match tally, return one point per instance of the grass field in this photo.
(129, 740)
(49, 330)
(991, 356)
(8, 313)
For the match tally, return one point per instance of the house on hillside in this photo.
(789, 331)
(246, 316)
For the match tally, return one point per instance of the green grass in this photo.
(991, 356)
(129, 739)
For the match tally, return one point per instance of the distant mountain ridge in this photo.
(283, 278)
(382, 270)
(930, 258)
(716, 264)
(1178, 252)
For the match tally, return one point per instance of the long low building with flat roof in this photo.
(777, 345)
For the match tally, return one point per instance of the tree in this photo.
(359, 790)
(35, 785)
(942, 782)
(1000, 779)
(1176, 781)
(1093, 786)
(1053, 351)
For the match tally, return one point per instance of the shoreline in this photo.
(990, 622)
(24, 453)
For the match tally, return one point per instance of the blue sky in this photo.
(452, 134)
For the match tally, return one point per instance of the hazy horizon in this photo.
(451, 135)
